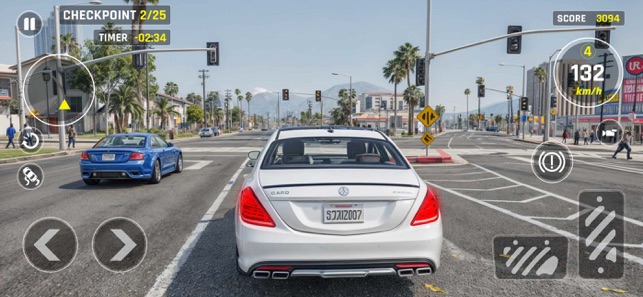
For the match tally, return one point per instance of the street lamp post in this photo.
(46, 76)
(278, 111)
(350, 95)
(549, 98)
(59, 67)
(524, 74)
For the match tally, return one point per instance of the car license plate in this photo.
(108, 157)
(343, 213)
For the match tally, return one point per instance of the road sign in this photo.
(427, 138)
(553, 111)
(428, 116)
(634, 66)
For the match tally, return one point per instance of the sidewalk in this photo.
(636, 146)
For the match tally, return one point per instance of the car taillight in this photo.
(84, 156)
(136, 156)
(251, 210)
(429, 210)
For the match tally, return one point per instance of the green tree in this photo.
(440, 109)
(394, 72)
(236, 115)
(405, 56)
(341, 114)
(123, 104)
(239, 99)
(412, 96)
(498, 119)
(164, 109)
(68, 45)
(541, 75)
(214, 97)
(248, 99)
(473, 120)
(171, 88)
(217, 117)
(193, 98)
(195, 114)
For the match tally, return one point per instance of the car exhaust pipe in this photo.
(260, 274)
(424, 271)
(280, 275)
(405, 272)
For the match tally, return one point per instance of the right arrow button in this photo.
(119, 244)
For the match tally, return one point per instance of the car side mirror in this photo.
(253, 155)
(169, 144)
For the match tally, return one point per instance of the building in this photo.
(43, 42)
(373, 102)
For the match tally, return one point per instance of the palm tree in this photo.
(541, 75)
(248, 99)
(139, 5)
(193, 98)
(239, 99)
(164, 108)
(394, 72)
(171, 88)
(405, 56)
(124, 103)
(412, 95)
(440, 109)
(68, 45)
(498, 119)
(217, 116)
(467, 92)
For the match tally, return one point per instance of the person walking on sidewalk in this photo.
(576, 137)
(565, 135)
(71, 134)
(585, 137)
(26, 134)
(592, 136)
(11, 132)
(624, 144)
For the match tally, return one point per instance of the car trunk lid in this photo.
(111, 155)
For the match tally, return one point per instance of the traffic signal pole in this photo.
(427, 61)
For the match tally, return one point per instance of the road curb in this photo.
(39, 156)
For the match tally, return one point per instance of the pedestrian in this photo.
(26, 134)
(576, 137)
(71, 134)
(565, 135)
(592, 135)
(11, 132)
(624, 144)
(585, 137)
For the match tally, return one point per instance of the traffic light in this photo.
(481, 116)
(524, 103)
(514, 43)
(602, 36)
(480, 91)
(284, 95)
(570, 80)
(553, 102)
(138, 60)
(419, 72)
(213, 54)
(318, 95)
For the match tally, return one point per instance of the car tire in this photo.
(156, 173)
(91, 182)
(179, 164)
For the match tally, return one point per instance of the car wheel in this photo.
(91, 182)
(156, 173)
(179, 164)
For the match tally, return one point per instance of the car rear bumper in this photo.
(259, 245)
(127, 170)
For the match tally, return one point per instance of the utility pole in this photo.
(310, 112)
(604, 63)
(427, 61)
(203, 76)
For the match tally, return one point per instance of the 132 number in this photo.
(584, 72)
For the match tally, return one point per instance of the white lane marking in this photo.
(519, 201)
(449, 144)
(486, 190)
(167, 276)
(197, 166)
(567, 218)
(530, 220)
(613, 166)
(465, 180)
(522, 159)
(629, 220)
(219, 155)
(466, 173)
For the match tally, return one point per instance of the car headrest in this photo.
(354, 148)
(293, 147)
(118, 141)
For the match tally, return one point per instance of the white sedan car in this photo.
(335, 202)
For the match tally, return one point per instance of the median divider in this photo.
(444, 157)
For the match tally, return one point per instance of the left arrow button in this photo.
(50, 244)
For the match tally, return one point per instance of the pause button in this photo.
(29, 23)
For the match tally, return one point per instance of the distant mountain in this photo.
(262, 103)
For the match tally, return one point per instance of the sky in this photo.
(297, 44)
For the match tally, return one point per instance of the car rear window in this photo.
(121, 141)
(332, 152)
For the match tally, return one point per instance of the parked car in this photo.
(335, 203)
(206, 132)
(142, 156)
(240, 130)
(215, 131)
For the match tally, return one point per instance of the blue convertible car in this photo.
(130, 156)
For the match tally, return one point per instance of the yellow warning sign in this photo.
(64, 105)
(427, 138)
(428, 116)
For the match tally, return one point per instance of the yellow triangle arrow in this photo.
(64, 105)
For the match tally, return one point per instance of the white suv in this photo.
(335, 202)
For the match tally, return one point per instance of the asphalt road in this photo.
(191, 248)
